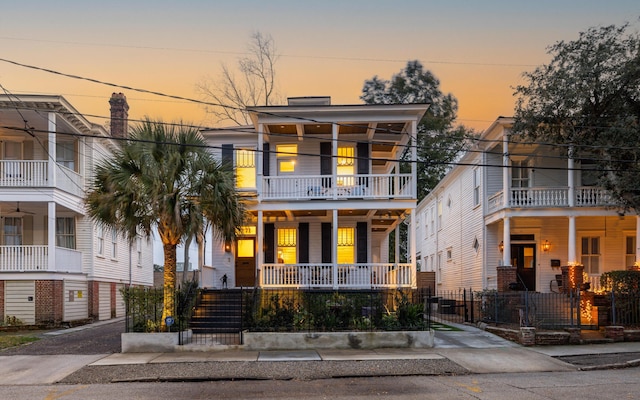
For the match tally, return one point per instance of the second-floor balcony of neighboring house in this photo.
(373, 186)
(36, 174)
(550, 197)
(30, 241)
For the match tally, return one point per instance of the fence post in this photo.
(495, 307)
(579, 307)
(472, 306)
(613, 309)
(464, 300)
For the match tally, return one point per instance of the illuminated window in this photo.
(346, 166)
(245, 248)
(630, 250)
(346, 245)
(249, 230)
(245, 168)
(287, 241)
(287, 155)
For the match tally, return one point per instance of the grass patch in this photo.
(7, 341)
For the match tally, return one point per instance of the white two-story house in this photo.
(55, 265)
(324, 190)
(507, 204)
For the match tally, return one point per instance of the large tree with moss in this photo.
(440, 139)
(586, 100)
(164, 178)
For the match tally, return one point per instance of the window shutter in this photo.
(327, 243)
(227, 156)
(363, 158)
(361, 242)
(269, 243)
(265, 159)
(325, 163)
(303, 243)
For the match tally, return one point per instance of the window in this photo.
(245, 168)
(591, 254)
(476, 186)
(287, 245)
(520, 174)
(433, 222)
(449, 254)
(630, 251)
(346, 245)
(246, 248)
(439, 214)
(12, 231)
(439, 269)
(100, 237)
(346, 166)
(589, 174)
(286, 155)
(66, 232)
(114, 244)
(139, 251)
(476, 245)
(66, 154)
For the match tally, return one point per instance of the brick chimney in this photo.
(119, 115)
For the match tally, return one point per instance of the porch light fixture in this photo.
(501, 246)
(546, 246)
(227, 246)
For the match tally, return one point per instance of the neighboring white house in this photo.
(324, 190)
(526, 206)
(55, 264)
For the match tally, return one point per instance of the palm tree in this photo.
(164, 178)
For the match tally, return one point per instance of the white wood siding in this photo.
(16, 301)
(76, 300)
(104, 298)
(120, 308)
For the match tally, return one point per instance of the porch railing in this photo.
(36, 259)
(344, 276)
(307, 187)
(34, 173)
(550, 197)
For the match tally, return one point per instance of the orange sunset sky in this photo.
(478, 49)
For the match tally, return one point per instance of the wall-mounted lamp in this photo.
(501, 246)
(227, 246)
(546, 246)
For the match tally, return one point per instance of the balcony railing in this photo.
(550, 197)
(344, 276)
(34, 173)
(36, 259)
(345, 187)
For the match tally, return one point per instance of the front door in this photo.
(245, 262)
(523, 256)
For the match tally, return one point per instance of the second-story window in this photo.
(114, 244)
(66, 154)
(139, 251)
(245, 160)
(65, 232)
(287, 155)
(476, 186)
(346, 165)
(100, 238)
(12, 231)
(520, 174)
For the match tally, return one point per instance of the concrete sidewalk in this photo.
(475, 350)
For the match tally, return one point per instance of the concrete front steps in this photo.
(218, 311)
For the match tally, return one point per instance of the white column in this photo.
(572, 241)
(334, 160)
(51, 235)
(51, 161)
(334, 250)
(414, 158)
(260, 252)
(637, 239)
(571, 178)
(412, 245)
(506, 183)
(506, 241)
(259, 157)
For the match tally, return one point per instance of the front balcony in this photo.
(343, 276)
(35, 174)
(36, 259)
(397, 186)
(586, 196)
